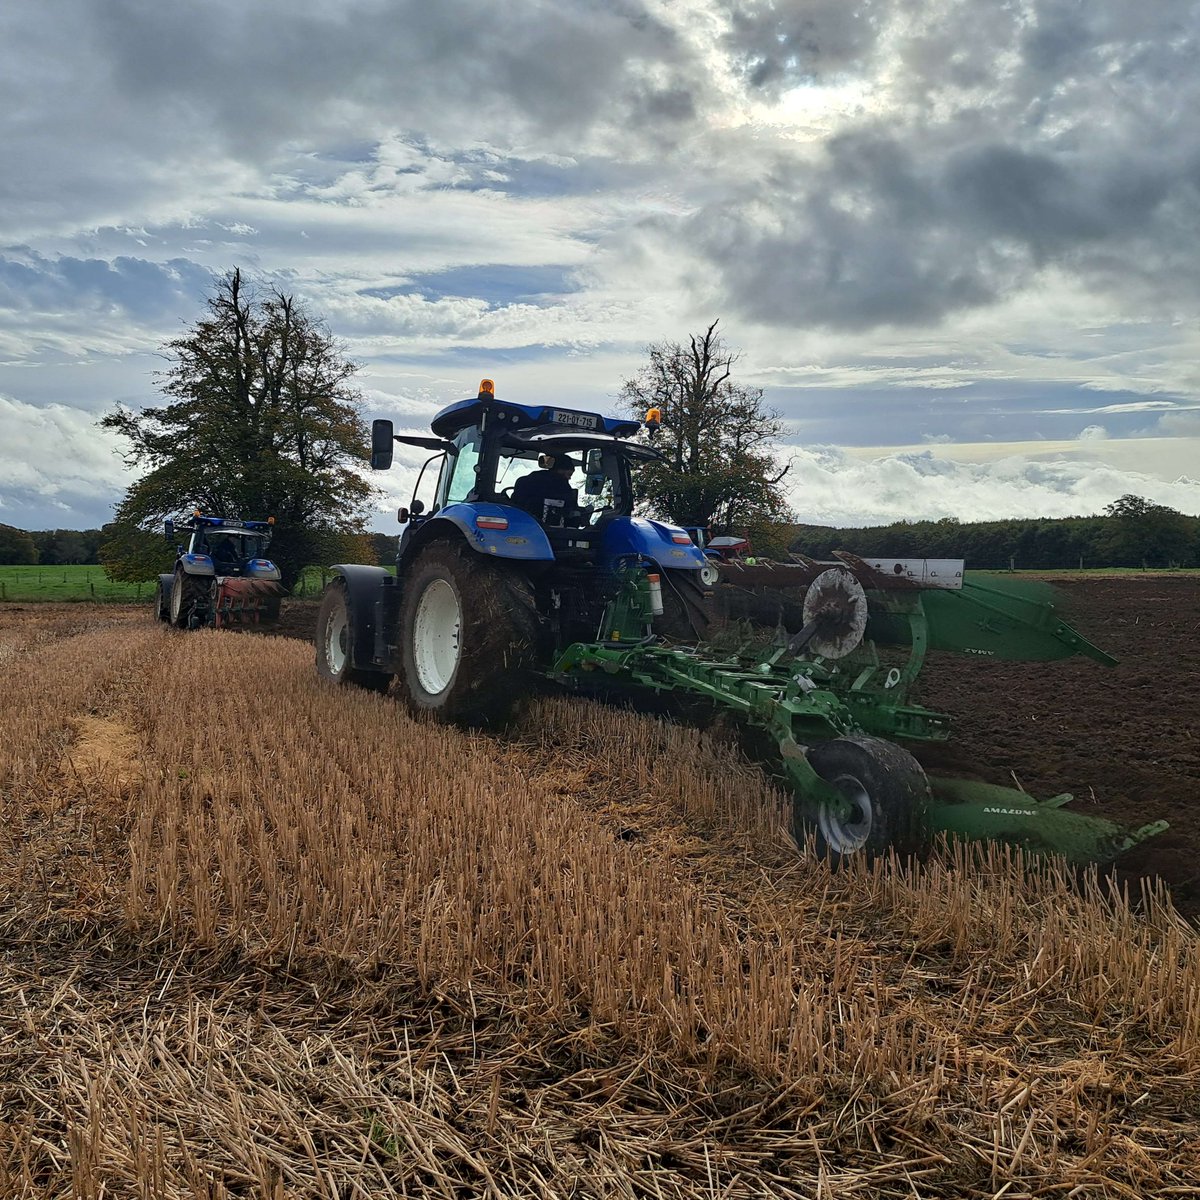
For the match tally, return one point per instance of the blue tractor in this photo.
(529, 541)
(221, 575)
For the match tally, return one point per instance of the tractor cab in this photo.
(500, 451)
(536, 482)
(233, 547)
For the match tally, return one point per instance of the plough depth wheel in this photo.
(888, 801)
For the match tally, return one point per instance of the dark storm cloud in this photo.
(141, 97)
(275, 70)
(1056, 134)
(775, 45)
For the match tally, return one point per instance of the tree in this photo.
(1142, 532)
(261, 420)
(717, 436)
(130, 554)
(17, 548)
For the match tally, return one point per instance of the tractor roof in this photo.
(225, 524)
(526, 418)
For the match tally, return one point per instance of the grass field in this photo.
(89, 583)
(67, 583)
(269, 938)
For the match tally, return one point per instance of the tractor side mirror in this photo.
(169, 531)
(381, 445)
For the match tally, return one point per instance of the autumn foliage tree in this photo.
(261, 420)
(718, 437)
(1147, 533)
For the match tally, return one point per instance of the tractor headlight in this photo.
(709, 575)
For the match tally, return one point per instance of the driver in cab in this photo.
(547, 494)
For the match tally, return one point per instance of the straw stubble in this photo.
(272, 938)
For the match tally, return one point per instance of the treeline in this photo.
(48, 547)
(1132, 533)
(53, 547)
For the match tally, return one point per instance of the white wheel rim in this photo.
(336, 650)
(849, 834)
(436, 636)
(176, 599)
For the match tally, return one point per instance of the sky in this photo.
(954, 241)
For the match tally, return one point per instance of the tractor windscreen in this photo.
(232, 547)
(590, 484)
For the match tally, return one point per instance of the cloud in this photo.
(56, 468)
(831, 488)
(774, 46)
(977, 163)
(160, 98)
(948, 220)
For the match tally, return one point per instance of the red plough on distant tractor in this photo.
(221, 576)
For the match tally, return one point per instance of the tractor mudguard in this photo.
(522, 538)
(166, 582)
(196, 564)
(624, 536)
(372, 597)
(262, 568)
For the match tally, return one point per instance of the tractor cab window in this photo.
(227, 547)
(461, 467)
(592, 483)
(226, 550)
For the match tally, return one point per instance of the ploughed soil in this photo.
(1124, 740)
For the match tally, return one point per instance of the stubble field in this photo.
(262, 938)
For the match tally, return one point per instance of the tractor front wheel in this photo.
(888, 797)
(335, 638)
(469, 631)
(188, 593)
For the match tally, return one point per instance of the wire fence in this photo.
(68, 582)
(74, 582)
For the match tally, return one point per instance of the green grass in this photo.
(72, 583)
(68, 583)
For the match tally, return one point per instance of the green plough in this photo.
(831, 690)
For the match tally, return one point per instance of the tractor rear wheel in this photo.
(335, 637)
(188, 592)
(688, 611)
(469, 631)
(889, 801)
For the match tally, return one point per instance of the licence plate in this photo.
(579, 420)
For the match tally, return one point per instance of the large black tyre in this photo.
(889, 793)
(188, 592)
(469, 634)
(335, 636)
(162, 601)
(688, 607)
